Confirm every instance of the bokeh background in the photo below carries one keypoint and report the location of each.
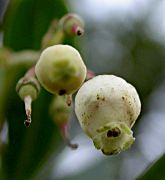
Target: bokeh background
(122, 37)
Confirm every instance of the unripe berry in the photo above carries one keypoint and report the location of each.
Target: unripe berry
(60, 69)
(60, 112)
(107, 107)
(28, 89)
(72, 24)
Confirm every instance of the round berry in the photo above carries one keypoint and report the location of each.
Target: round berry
(107, 107)
(60, 69)
(28, 87)
(72, 24)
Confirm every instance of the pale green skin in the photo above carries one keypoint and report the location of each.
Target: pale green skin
(104, 103)
(59, 110)
(28, 86)
(60, 67)
(70, 20)
(28, 90)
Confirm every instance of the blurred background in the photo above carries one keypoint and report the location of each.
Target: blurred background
(122, 37)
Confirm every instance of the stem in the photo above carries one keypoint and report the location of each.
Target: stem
(69, 100)
(30, 72)
(65, 135)
(90, 74)
(54, 35)
(9, 58)
(26, 57)
(28, 102)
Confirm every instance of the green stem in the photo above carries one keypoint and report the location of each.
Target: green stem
(55, 35)
(12, 65)
(24, 58)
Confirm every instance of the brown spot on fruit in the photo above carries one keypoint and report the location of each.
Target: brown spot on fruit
(109, 133)
(113, 132)
(62, 92)
(116, 132)
(98, 97)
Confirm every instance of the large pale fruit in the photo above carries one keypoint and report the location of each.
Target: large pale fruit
(107, 108)
(60, 69)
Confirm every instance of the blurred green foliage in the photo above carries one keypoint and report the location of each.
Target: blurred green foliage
(25, 23)
(27, 20)
(155, 171)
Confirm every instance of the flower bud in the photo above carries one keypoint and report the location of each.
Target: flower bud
(72, 24)
(107, 108)
(60, 69)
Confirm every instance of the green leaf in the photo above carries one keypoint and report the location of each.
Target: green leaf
(27, 20)
(28, 148)
(156, 171)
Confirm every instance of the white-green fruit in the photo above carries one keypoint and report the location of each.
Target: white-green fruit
(59, 110)
(60, 69)
(107, 108)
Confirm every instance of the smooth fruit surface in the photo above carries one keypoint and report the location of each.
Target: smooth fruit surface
(60, 69)
(107, 107)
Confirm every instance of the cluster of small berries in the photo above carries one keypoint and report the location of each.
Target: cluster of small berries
(106, 105)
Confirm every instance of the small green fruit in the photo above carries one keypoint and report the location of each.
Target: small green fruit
(107, 107)
(28, 87)
(60, 69)
(59, 110)
(72, 24)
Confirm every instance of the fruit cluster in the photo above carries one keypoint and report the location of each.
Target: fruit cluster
(106, 105)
